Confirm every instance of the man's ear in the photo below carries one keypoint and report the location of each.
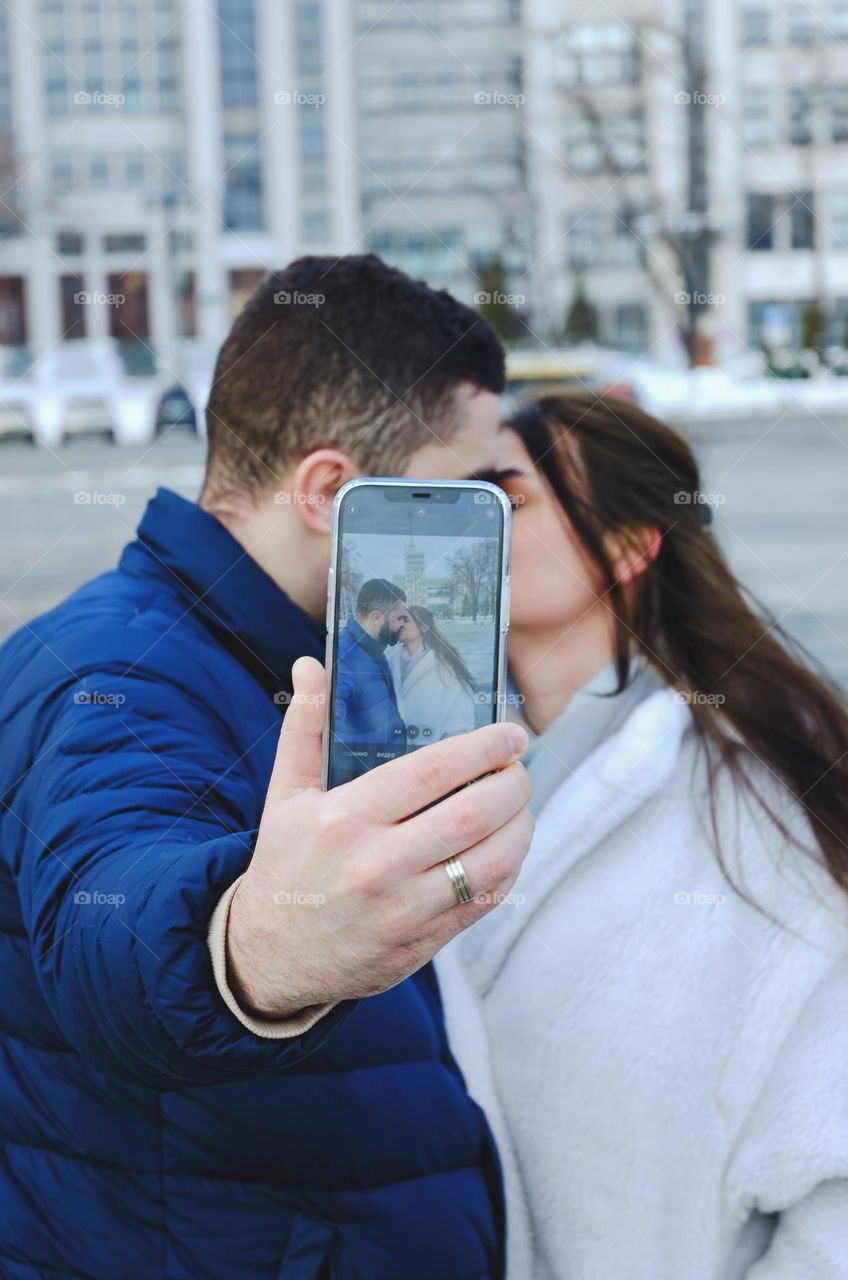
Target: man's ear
(632, 550)
(314, 483)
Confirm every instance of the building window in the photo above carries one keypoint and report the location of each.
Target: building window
(836, 19)
(441, 166)
(308, 37)
(802, 108)
(617, 144)
(135, 169)
(838, 323)
(124, 242)
(436, 255)
(802, 221)
(756, 19)
(415, 86)
(597, 53)
(243, 194)
(72, 307)
(600, 238)
(434, 13)
(801, 23)
(13, 324)
(69, 244)
(773, 323)
(238, 54)
(98, 170)
(312, 138)
(59, 97)
(628, 327)
(129, 317)
(757, 117)
(186, 296)
(61, 169)
(316, 227)
(760, 221)
(838, 217)
(838, 113)
(5, 73)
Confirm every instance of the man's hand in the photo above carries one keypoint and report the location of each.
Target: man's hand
(346, 894)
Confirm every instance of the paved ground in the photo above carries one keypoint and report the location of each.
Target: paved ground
(781, 496)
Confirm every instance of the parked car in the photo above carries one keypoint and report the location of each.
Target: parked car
(87, 415)
(16, 418)
(537, 372)
(175, 411)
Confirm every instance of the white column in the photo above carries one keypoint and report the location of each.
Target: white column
(31, 144)
(339, 53)
(202, 96)
(727, 160)
(278, 116)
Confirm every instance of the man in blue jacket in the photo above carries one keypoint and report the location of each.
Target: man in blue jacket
(366, 718)
(223, 1054)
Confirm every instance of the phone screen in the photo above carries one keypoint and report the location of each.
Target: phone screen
(417, 643)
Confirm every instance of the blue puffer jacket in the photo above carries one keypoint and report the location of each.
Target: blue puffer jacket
(145, 1133)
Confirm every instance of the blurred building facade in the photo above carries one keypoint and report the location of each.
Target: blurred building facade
(668, 167)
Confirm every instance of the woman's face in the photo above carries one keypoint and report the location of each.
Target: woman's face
(554, 583)
(409, 628)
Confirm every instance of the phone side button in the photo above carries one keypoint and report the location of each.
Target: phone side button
(506, 603)
(331, 600)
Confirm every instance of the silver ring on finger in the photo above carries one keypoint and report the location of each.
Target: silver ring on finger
(459, 880)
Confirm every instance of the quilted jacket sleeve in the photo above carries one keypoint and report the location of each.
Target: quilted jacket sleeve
(132, 825)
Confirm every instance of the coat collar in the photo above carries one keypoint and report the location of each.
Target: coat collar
(219, 581)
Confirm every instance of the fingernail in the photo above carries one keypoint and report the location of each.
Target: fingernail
(518, 739)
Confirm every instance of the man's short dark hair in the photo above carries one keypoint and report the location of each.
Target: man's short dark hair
(341, 352)
(378, 593)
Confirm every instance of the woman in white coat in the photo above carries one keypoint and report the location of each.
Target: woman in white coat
(657, 1019)
(433, 686)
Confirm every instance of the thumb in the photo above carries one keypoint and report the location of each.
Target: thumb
(298, 761)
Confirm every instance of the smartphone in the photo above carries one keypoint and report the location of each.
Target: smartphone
(417, 618)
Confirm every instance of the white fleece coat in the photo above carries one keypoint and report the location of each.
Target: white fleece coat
(432, 697)
(665, 1067)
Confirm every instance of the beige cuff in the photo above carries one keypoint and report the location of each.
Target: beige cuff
(268, 1028)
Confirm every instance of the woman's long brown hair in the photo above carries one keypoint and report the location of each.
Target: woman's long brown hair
(616, 470)
(441, 646)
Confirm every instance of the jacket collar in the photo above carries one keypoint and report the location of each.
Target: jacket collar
(219, 581)
(366, 642)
